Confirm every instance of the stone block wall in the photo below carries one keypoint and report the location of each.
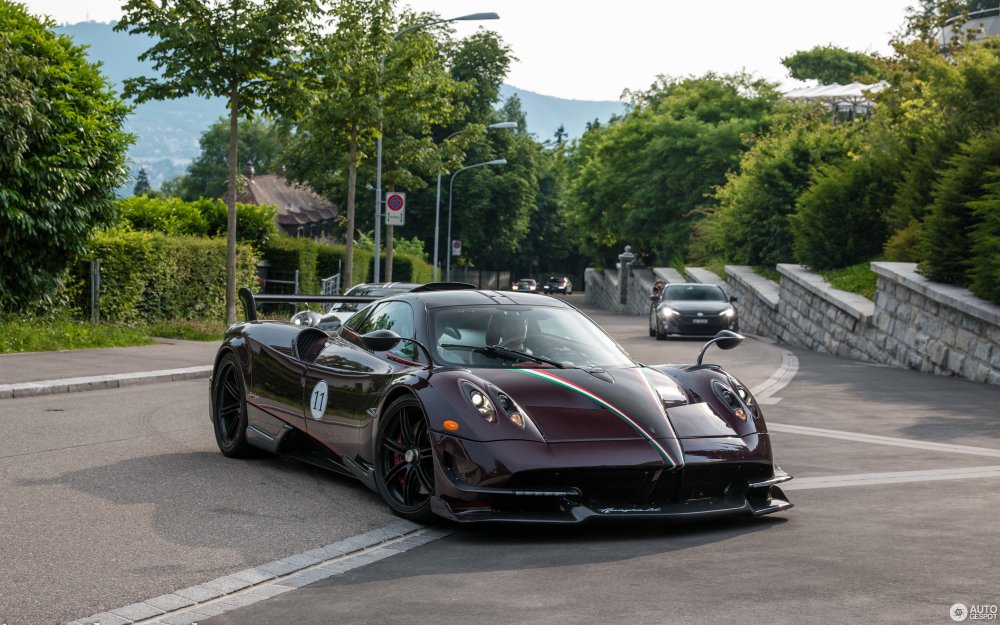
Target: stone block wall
(756, 301)
(934, 328)
(913, 323)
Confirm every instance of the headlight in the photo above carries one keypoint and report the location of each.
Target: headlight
(514, 412)
(666, 311)
(729, 313)
(480, 401)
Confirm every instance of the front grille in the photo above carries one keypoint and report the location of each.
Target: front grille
(636, 487)
(610, 486)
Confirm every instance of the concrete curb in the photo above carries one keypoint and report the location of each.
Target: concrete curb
(98, 382)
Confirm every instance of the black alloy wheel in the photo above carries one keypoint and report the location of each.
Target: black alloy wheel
(404, 460)
(229, 409)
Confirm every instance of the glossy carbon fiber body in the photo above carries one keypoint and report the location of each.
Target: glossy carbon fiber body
(566, 445)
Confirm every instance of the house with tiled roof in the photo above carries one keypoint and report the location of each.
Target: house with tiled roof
(301, 212)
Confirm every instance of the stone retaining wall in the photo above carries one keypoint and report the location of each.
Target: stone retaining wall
(913, 323)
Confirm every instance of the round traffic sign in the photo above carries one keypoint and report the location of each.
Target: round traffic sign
(394, 202)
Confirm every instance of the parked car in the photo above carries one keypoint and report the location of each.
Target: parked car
(338, 313)
(525, 285)
(558, 284)
(691, 309)
(475, 408)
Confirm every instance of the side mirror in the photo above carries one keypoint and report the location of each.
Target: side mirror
(725, 339)
(732, 300)
(329, 323)
(381, 340)
(384, 340)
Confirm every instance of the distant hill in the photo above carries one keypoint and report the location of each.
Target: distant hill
(167, 132)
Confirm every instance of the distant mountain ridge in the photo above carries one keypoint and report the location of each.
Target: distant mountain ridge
(167, 132)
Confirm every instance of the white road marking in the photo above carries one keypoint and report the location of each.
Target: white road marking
(242, 588)
(895, 477)
(884, 440)
(764, 392)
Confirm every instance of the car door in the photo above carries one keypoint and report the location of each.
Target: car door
(345, 383)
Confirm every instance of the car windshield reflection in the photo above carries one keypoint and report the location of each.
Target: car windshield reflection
(516, 336)
(693, 293)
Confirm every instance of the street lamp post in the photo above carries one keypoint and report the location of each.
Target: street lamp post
(437, 201)
(378, 148)
(451, 185)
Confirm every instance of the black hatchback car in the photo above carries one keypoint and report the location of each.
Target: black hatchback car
(691, 309)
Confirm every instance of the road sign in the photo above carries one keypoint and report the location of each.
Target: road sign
(456, 248)
(395, 209)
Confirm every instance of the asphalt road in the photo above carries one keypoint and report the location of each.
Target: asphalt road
(111, 497)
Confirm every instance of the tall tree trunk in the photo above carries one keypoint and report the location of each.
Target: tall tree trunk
(234, 103)
(352, 178)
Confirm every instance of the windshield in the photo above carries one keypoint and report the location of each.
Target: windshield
(370, 291)
(693, 293)
(521, 335)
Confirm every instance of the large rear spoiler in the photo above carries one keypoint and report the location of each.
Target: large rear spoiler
(251, 300)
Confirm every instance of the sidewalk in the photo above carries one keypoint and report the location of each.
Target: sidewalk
(43, 373)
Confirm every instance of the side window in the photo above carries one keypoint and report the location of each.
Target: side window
(359, 321)
(395, 316)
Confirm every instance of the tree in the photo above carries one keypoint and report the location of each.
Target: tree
(650, 172)
(832, 65)
(142, 183)
(61, 158)
(243, 50)
(338, 136)
(260, 146)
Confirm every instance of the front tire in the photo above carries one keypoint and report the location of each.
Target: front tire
(404, 460)
(661, 334)
(229, 409)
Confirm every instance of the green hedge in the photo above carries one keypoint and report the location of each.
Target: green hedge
(406, 268)
(314, 261)
(255, 224)
(151, 276)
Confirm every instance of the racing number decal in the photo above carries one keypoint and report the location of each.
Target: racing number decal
(317, 403)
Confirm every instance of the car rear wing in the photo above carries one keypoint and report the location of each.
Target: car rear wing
(251, 300)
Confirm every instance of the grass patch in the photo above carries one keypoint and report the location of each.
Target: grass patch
(767, 271)
(858, 279)
(46, 335)
(42, 335)
(188, 330)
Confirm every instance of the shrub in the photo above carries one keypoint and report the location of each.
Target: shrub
(963, 195)
(838, 221)
(255, 224)
(904, 245)
(984, 276)
(150, 276)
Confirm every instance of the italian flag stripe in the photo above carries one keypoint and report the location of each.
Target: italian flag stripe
(579, 389)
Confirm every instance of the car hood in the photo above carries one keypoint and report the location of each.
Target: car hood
(616, 404)
(708, 308)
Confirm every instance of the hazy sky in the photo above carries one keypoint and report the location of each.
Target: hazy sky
(593, 49)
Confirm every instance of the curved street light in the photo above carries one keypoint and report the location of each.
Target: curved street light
(437, 201)
(378, 148)
(499, 161)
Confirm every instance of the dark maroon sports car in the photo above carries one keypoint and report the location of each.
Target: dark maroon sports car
(496, 406)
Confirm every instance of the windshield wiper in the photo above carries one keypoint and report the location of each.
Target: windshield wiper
(513, 354)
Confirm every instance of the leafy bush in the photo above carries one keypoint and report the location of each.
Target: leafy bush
(149, 276)
(839, 219)
(957, 231)
(984, 276)
(62, 154)
(290, 254)
(255, 224)
(904, 245)
(751, 223)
